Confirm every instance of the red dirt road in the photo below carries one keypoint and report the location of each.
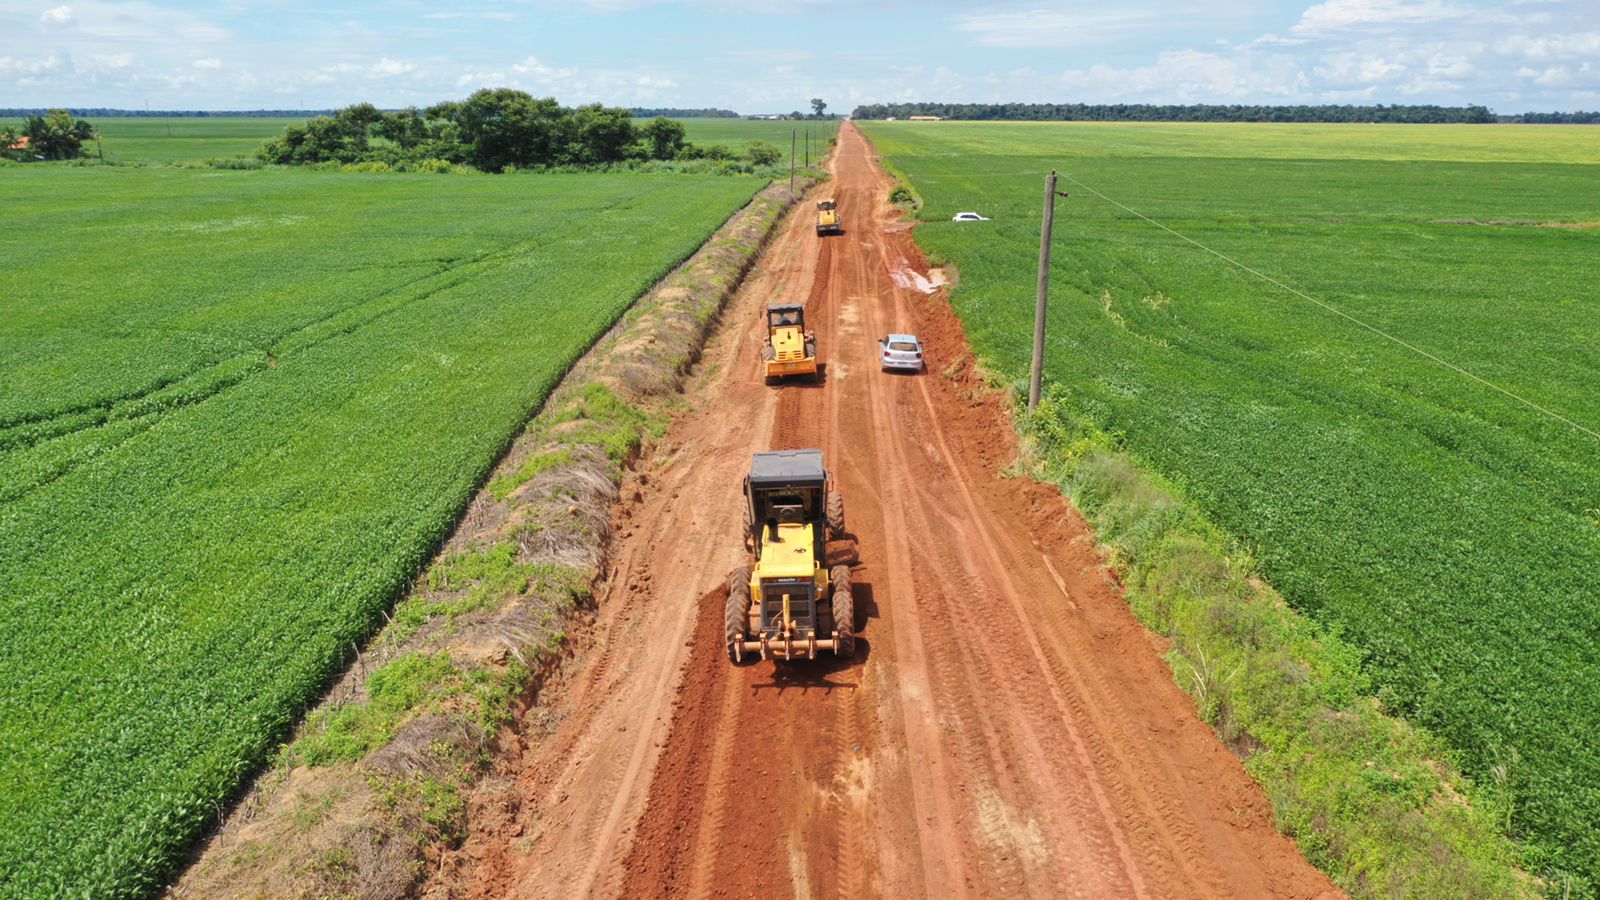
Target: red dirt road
(1006, 728)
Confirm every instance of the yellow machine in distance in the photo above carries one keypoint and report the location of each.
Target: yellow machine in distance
(789, 348)
(787, 605)
(828, 218)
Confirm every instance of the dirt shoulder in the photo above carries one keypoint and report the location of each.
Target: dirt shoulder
(369, 792)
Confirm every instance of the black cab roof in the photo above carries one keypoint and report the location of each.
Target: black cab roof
(782, 468)
(785, 307)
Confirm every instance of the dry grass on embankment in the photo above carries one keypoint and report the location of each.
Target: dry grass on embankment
(374, 778)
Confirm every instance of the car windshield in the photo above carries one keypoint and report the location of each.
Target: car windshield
(902, 345)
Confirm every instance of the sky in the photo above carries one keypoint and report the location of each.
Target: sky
(766, 56)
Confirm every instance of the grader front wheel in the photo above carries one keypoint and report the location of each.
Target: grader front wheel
(835, 515)
(844, 614)
(737, 615)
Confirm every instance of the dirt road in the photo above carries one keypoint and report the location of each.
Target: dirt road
(1006, 728)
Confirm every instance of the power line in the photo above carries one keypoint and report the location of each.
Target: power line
(1339, 312)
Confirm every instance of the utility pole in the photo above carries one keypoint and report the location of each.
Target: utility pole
(808, 146)
(1044, 289)
(794, 133)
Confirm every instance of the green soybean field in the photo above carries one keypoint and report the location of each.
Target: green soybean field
(172, 140)
(238, 410)
(1404, 430)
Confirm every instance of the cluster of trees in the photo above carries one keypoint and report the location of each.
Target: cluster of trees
(54, 135)
(1144, 112)
(492, 130)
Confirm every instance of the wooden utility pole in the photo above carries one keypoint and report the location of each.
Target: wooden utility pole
(794, 133)
(1042, 302)
(808, 146)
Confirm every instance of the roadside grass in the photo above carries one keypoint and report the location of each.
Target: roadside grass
(1441, 529)
(241, 410)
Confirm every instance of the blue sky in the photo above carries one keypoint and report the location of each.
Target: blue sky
(769, 56)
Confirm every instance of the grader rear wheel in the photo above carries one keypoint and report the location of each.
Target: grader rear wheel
(737, 614)
(844, 614)
(835, 515)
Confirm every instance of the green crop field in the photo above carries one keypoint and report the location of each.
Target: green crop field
(737, 133)
(1450, 531)
(239, 409)
(182, 140)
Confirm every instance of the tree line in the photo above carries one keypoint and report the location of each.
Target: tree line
(493, 130)
(1554, 118)
(673, 112)
(1201, 112)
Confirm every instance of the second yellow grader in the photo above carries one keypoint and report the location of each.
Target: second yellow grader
(789, 348)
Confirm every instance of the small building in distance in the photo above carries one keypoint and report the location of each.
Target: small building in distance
(925, 118)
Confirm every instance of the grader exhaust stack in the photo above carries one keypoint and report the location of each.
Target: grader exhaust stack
(787, 605)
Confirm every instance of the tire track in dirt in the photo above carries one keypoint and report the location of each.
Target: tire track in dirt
(1006, 727)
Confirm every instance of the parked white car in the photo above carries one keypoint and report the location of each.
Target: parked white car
(900, 351)
(968, 217)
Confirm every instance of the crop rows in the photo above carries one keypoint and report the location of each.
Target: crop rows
(239, 410)
(1448, 530)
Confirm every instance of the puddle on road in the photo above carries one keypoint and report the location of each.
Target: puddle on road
(907, 278)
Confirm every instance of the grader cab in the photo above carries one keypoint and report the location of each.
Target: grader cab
(787, 604)
(789, 348)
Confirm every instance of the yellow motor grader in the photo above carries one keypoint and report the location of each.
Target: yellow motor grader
(789, 348)
(787, 605)
(828, 218)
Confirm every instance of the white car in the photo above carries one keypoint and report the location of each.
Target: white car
(900, 351)
(968, 217)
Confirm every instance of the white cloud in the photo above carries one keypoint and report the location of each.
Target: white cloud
(208, 63)
(481, 79)
(491, 15)
(1550, 46)
(1335, 15)
(60, 15)
(11, 67)
(110, 60)
(1454, 68)
(540, 72)
(1044, 28)
(1191, 76)
(389, 68)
